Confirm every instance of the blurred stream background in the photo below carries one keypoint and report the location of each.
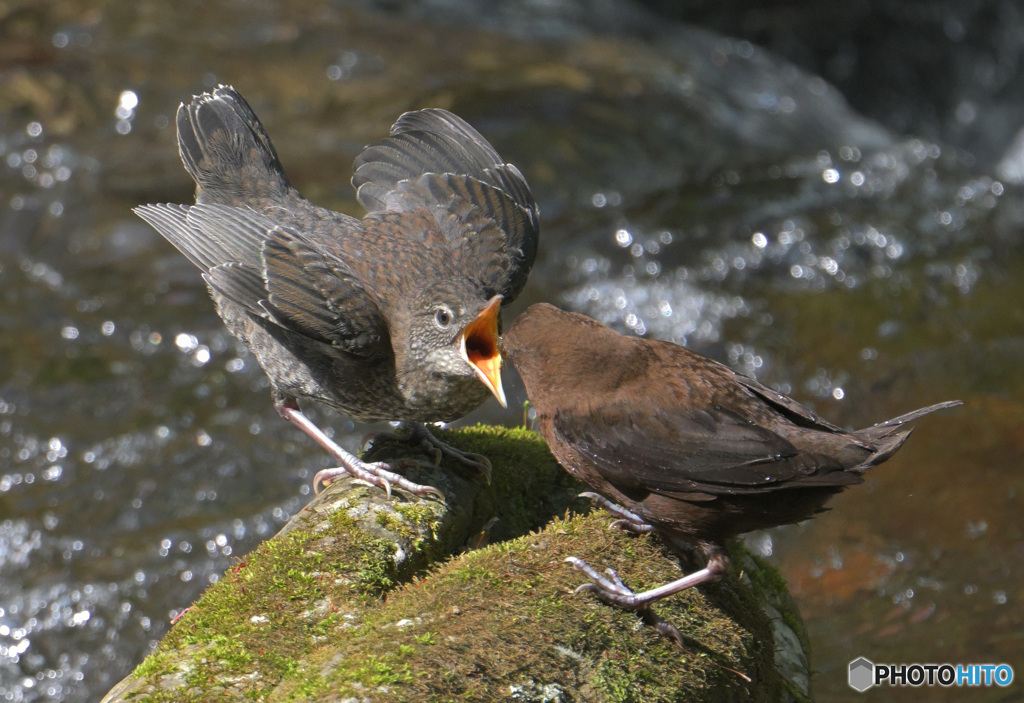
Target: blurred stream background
(826, 196)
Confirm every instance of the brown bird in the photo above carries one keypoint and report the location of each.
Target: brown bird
(688, 447)
(392, 317)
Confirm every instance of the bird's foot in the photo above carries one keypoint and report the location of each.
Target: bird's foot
(612, 590)
(420, 437)
(629, 521)
(609, 587)
(379, 473)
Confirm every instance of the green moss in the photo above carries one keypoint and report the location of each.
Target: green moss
(389, 521)
(156, 664)
(384, 671)
(169, 697)
(227, 651)
(466, 630)
(309, 688)
(378, 575)
(418, 514)
(272, 608)
(427, 638)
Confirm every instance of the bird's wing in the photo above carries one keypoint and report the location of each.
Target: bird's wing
(676, 451)
(435, 160)
(434, 141)
(274, 273)
(321, 298)
(208, 235)
(786, 406)
(476, 221)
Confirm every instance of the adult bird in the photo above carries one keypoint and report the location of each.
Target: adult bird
(391, 317)
(675, 442)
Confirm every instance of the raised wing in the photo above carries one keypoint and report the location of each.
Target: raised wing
(435, 160)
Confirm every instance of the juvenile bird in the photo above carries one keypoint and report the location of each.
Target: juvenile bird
(392, 317)
(678, 443)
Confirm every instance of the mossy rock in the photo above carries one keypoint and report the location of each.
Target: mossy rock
(359, 599)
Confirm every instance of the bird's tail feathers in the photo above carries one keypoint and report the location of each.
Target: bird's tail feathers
(226, 150)
(908, 417)
(887, 437)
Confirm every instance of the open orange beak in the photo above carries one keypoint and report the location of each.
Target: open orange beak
(479, 346)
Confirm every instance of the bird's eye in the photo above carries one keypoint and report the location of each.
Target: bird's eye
(443, 317)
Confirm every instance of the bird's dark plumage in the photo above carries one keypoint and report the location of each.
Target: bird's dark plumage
(392, 317)
(684, 443)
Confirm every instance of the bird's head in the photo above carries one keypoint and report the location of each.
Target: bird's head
(452, 337)
(544, 344)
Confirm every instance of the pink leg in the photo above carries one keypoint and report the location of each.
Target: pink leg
(377, 473)
(611, 589)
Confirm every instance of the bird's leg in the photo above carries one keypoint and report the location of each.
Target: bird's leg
(612, 590)
(627, 520)
(419, 436)
(376, 473)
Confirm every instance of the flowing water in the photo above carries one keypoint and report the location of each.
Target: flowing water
(692, 188)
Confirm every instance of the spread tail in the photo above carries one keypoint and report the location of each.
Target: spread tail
(227, 152)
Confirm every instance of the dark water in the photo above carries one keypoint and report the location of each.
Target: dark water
(692, 188)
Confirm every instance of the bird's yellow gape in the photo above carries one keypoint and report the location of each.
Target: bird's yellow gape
(480, 348)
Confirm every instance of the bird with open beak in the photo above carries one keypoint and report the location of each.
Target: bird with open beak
(676, 443)
(392, 317)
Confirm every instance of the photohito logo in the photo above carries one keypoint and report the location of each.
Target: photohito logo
(864, 674)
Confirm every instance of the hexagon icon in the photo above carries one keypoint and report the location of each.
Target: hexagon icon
(862, 674)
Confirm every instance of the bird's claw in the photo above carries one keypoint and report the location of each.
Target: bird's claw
(474, 461)
(426, 447)
(639, 527)
(608, 588)
(627, 520)
(613, 591)
(438, 449)
(422, 438)
(377, 474)
(663, 627)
